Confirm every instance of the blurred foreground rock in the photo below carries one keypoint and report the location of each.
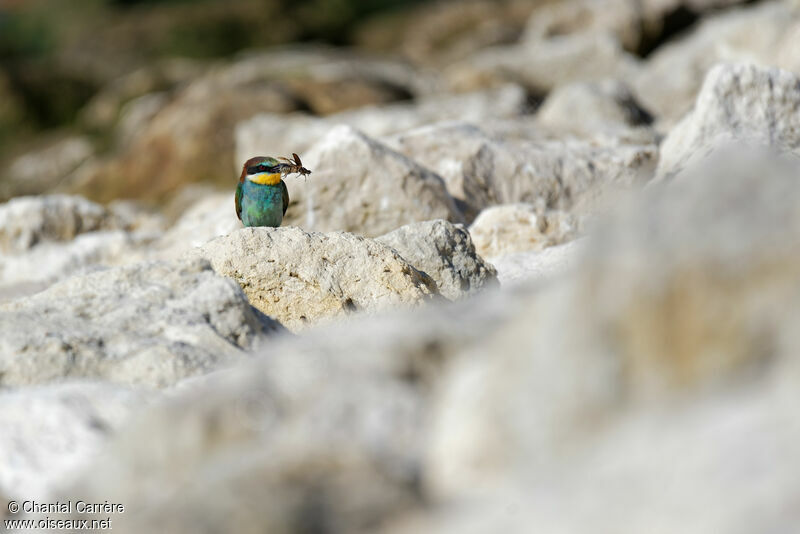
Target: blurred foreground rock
(150, 323)
(326, 433)
(48, 433)
(660, 313)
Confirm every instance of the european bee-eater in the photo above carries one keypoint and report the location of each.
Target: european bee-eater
(261, 195)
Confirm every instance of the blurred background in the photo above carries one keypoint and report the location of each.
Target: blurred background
(80, 80)
(134, 99)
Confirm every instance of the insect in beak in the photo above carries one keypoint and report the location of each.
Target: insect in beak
(295, 166)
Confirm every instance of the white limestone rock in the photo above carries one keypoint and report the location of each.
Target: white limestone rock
(482, 169)
(28, 221)
(47, 238)
(148, 323)
(301, 278)
(587, 108)
(738, 104)
(764, 34)
(510, 228)
(444, 252)
(361, 185)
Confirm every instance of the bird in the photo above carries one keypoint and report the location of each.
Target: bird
(261, 195)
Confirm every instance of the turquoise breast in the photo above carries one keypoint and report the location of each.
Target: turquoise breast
(262, 205)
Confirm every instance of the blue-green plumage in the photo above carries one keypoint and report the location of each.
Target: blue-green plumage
(261, 204)
(261, 196)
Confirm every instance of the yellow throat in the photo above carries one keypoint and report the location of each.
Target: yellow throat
(265, 178)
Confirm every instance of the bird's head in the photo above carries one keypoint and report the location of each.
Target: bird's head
(262, 170)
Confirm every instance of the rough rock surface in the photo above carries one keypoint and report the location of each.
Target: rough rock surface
(738, 103)
(468, 159)
(48, 433)
(361, 185)
(444, 252)
(149, 323)
(509, 228)
(300, 278)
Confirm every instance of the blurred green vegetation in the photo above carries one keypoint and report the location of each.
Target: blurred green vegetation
(24, 34)
(56, 54)
(195, 28)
